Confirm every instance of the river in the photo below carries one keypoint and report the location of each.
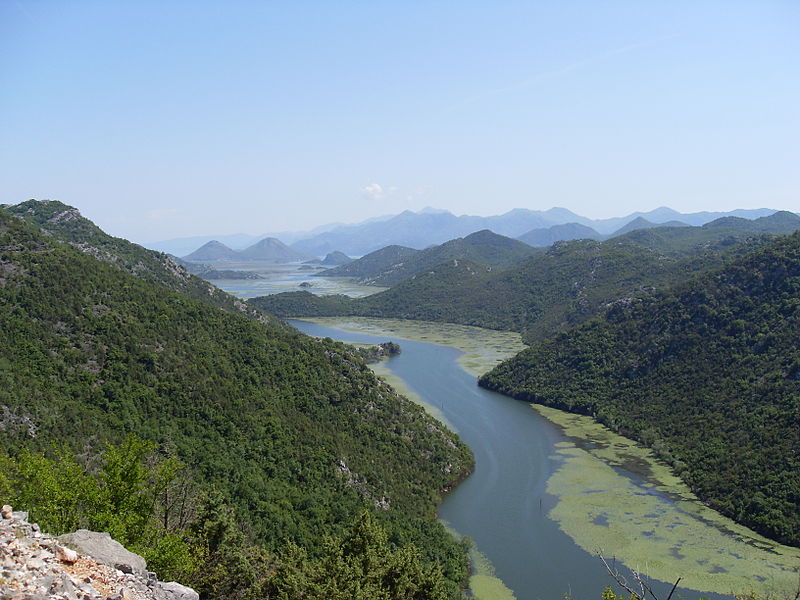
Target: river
(504, 505)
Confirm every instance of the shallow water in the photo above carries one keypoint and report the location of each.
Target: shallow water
(289, 278)
(505, 506)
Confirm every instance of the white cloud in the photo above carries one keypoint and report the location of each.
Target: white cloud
(374, 191)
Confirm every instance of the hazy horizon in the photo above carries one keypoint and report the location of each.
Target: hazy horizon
(168, 120)
(331, 225)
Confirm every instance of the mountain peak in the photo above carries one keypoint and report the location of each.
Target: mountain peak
(210, 252)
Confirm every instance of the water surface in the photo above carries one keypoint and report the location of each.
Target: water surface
(504, 505)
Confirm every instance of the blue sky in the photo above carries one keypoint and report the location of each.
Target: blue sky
(164, 119)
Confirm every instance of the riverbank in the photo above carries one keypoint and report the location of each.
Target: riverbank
(482, 348)
(604, 511)
(612, 495)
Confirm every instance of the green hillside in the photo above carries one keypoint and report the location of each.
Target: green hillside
(372, 263)
(483, 247)
(65, 223)
(707, 374)
(560, 287)
(297, 433)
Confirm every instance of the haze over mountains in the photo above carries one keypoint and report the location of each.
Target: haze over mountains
(394, 264)
(266, 250)
(681, 337)
(429, 227)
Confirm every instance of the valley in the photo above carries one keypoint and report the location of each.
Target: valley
(400, 300)
(551, 489)
(582, 325)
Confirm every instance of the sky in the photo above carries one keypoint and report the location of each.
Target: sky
(168, 118)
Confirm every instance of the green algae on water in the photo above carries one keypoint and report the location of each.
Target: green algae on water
(604, 511)
(483, 582)
(483, 348)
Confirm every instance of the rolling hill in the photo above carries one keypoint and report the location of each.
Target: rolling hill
(373, 263)
(91, 352)
(707, 373)
(541, 238)
(212, 251)
(484, 247)
(65, 223)
(560, 287)
(272, 250)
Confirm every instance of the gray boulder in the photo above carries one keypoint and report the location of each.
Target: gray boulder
(103, 549)
(180, 592)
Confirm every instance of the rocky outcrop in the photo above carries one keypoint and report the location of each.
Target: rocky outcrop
(81, 566)
(104, 550)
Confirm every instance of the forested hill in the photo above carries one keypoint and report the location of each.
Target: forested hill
(561, 287)
(707, 374)
(372, 263)
(65, 223)
(297, 433)
(484, 247)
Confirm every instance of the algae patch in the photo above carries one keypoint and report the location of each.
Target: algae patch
(658, 527)
(483, 582)
(483, 348)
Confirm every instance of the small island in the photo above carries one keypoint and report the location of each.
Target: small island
(377, 352)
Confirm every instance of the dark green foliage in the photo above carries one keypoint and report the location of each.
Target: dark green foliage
(561, 287)
(359, 565)
(372, 354)
(483, 247)
(121, 491)
(306, 304)
(297, 433)
(707, 374)
(65, 223)
(372, 263)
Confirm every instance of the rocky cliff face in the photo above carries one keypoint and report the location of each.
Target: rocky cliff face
(80, 566)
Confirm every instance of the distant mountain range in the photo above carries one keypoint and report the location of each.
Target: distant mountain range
(267, 250)
(391, 265)
(538, 296)
(430, 227)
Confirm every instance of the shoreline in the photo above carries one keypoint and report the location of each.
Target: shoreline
(603, 507)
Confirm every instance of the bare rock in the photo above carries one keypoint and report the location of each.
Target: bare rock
(65, 555)
(180, 592)
(105, 550)
(6, 511)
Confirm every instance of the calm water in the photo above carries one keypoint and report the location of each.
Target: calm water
(503, 506)
(279, 278)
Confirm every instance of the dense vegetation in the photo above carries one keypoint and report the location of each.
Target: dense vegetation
(707, 374)
(563, 286)
(483, 247)
(296, 433)
(149, 503)
(374, 262)
(65, 223)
